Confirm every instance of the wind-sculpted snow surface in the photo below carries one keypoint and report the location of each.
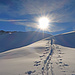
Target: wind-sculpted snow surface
(27, 60)
(40, 58)
(19, 39)
(67, 39)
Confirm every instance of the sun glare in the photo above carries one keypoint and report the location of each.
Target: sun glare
(43, 23)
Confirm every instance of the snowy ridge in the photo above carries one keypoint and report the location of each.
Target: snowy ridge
(67, 32)
(19, 39)
(67, 39)
(40, 58)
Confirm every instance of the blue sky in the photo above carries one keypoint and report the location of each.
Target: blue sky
(22, 15)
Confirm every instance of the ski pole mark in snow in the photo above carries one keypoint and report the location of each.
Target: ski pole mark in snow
(37, 63)
(30, 72)
(52, 70)
(65, 64)
(60, 63)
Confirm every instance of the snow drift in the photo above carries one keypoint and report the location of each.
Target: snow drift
(39, 58)
(67, 39)
(19, 39)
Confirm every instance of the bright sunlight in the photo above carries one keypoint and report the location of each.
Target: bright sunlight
(43, 23)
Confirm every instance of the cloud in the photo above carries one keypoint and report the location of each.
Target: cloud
(40, 7)
(51, 28)
(56, 29)
(13, 20)
(22, 7)
(59, 11)
(28, 24)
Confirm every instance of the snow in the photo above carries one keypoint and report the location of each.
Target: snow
(19, 39)
(39, 58)
(67, 40)
(20, 60)
(63, 61)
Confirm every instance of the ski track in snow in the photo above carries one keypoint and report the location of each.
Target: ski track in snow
(48, 68)
(46, 62)
(47, 65)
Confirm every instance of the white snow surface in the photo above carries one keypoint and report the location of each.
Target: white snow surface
(39, 58)
(19, 39)
(21, 60)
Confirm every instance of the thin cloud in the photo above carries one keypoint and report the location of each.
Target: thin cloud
(59, 11)
(40, 7)
(12, 20)
(35, 25)
(56, 29)
(28, 24)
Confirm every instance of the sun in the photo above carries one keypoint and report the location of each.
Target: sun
(43, 23)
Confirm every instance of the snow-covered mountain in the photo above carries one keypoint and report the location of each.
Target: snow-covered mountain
(66, 39)
(19, 39)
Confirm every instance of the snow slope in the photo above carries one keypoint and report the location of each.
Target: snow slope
(20, 60)
(39, 58)
(63, 61)
(19, 39)
(66, 39)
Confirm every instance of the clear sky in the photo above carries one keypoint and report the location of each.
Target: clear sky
(23, 15)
